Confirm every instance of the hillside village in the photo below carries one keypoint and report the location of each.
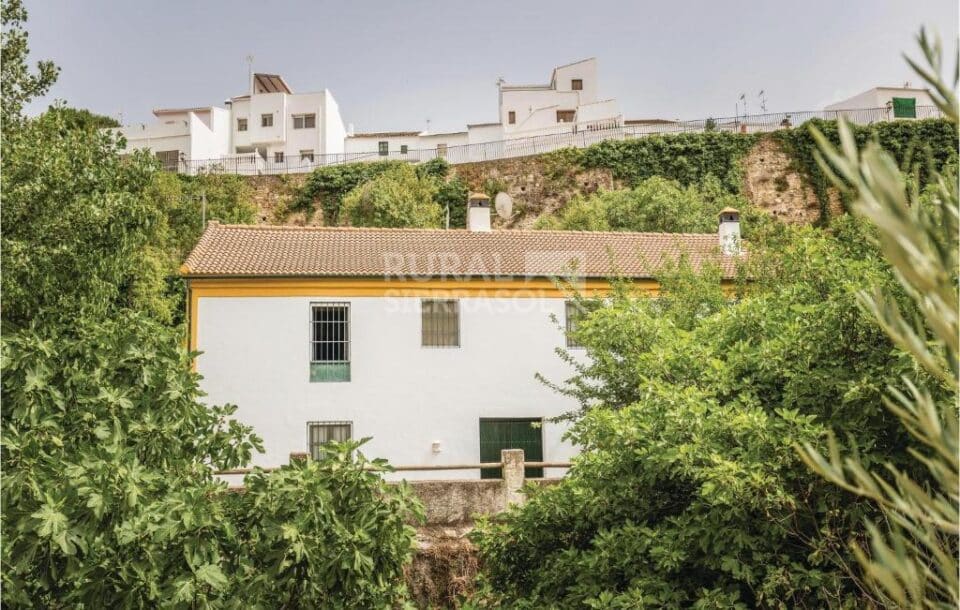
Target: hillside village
(254, 357)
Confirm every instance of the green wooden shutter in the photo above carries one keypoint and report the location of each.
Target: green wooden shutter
(904, 107)
(499, 434)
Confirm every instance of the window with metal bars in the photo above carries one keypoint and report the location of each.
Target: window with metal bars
(574, 313)
(440, 323)
(331, 332)
(320, 433)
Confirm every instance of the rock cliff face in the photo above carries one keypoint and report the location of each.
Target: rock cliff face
(542, 185)
(772, 183)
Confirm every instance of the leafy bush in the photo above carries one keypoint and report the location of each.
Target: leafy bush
(76, 222)
(687, 158)
(689, 491)
(655, 204)
(919, 148)
(324, 534)
(329, 185)
(109, 498)
(398, 197)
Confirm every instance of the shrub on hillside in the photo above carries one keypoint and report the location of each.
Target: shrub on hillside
(655, 204)
(399, 197)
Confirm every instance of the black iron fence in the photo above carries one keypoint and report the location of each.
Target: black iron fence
(564, 136)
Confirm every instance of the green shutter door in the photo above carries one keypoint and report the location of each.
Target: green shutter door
(499, 434)
(904, 108)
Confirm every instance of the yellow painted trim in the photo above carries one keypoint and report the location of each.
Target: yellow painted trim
(398, 287)
(198, 288)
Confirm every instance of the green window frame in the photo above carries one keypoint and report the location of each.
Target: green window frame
(403, 149)
(329, 341)
(383, 148)
(904, 107)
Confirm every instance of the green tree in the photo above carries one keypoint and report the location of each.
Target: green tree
(914, 563)
(656, 204)
(17, 83)
(398, 197)
(689, 492)
(76, 223)
(81, 118)
(109, 498)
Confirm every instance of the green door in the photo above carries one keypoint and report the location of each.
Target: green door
(511, 433)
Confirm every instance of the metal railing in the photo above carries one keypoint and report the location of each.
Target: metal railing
(565, 136)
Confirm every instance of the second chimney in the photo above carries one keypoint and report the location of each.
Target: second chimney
(729, 231)
(478, 212)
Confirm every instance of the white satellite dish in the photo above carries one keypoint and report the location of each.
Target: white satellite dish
(504, 205)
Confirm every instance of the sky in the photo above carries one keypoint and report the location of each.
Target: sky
(394, 65)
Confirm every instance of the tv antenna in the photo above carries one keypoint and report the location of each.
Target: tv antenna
(249, 60)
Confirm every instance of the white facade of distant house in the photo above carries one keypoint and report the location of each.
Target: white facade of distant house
(271, 126)
(571, 96)
(274, 129)
(885, 97)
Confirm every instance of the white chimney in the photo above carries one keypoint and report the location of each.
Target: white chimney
(729, 231)
(478, 212)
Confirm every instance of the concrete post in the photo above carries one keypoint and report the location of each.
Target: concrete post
(513, 478)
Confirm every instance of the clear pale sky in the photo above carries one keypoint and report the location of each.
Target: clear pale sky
(392, 65)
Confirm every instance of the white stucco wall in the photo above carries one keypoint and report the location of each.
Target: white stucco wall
(334, 132)
(880, 97)
(256, 355)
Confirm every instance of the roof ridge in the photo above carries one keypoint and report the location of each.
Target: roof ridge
(259, 227)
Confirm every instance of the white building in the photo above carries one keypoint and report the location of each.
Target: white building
(426, 340)
(571, 97)
(567, 103)
(271, 126)
(884, 103)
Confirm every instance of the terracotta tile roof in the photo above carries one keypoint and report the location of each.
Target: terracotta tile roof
(272, 251)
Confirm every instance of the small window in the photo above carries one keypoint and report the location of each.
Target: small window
(169, 159)
(565, 116)
(266, 120)
(304, 121)
(512, 117)
(383, 148)
(319, 433)
(278, 157)
(576, 84)
(575, 311)
(241, 124)
(403, 149)
(441, 150)
(439, 323)
(330, 342)
(306, 155)
(904, 107)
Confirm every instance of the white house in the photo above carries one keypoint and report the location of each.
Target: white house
(274, 127)
(892, 103)
(425, 340)
(571, 97)
(567, 103)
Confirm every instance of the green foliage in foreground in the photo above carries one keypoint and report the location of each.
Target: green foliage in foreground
(109, 499)
(399, 197)
(914, 564)
(689, 492)
(654, 204)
